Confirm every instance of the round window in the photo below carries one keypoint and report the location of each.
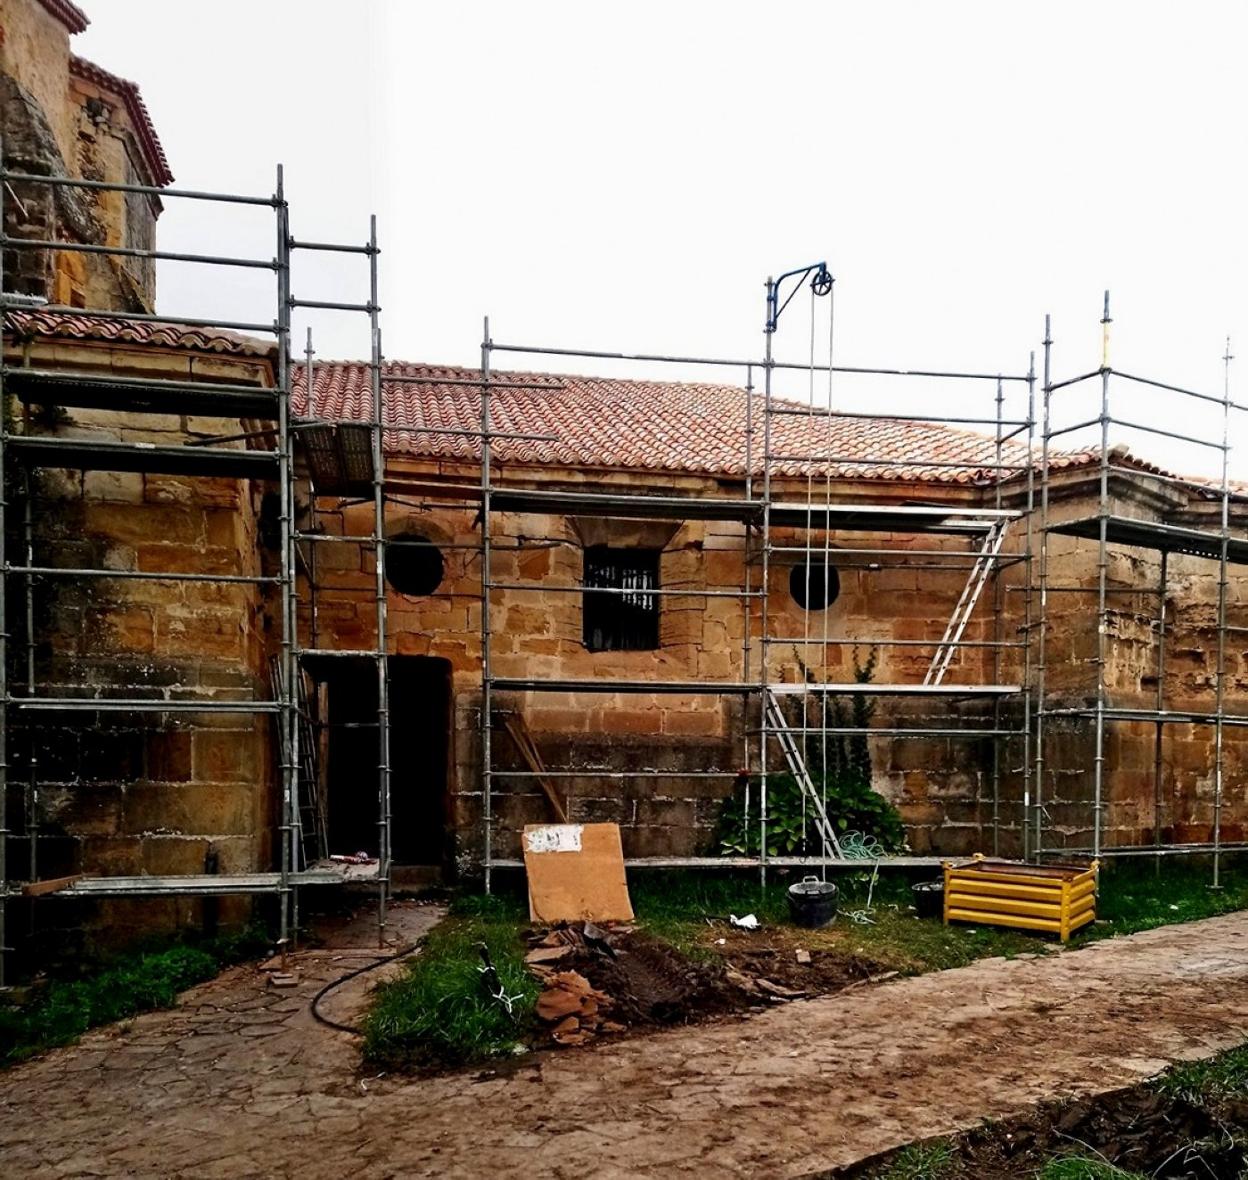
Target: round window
(814, 586)
(414, 564)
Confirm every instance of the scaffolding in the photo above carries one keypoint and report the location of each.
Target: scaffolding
(267, 457)
(976, 532)
(1114, 529)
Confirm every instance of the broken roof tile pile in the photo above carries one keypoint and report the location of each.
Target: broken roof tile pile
(650, 425)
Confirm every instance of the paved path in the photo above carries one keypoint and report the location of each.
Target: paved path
(240, 1082)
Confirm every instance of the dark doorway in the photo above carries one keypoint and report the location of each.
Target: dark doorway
(420, 736)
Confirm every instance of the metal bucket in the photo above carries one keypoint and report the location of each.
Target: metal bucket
(929, 898)
(812, 903)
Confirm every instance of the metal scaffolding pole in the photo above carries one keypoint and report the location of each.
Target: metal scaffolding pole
(377, 439)
(287, 722)
(1043, 580)
(486, 719)
(1102, 603)
(1219, 749)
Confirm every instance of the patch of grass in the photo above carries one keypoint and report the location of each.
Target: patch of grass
(65, 1009)
(921, 1161)
(1079, 1167)
(1136, 896)
(675, 907)
(1204, 1083)
(439, 1012)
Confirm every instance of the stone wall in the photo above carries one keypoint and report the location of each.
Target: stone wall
(57, 123)
(124, 793)
(942, 788)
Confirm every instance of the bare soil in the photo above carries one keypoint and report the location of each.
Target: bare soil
(651, 983)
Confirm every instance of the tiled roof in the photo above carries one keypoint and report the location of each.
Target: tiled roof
(70, 15)
(650, 425)
(158, 334)
(136, 108)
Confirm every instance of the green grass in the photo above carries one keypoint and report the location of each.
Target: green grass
(1207, 1082)
(676, 907)
(438, 1012)
(60, 1012)
(1134, 896)
(921, 1161)
(1079, 1167)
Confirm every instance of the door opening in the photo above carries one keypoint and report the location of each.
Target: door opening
(420, 750)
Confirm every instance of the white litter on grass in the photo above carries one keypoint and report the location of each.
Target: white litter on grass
(749, 922)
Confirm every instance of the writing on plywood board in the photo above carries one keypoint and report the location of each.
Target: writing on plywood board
(553, 838)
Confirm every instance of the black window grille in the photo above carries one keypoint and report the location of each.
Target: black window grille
(627, 621)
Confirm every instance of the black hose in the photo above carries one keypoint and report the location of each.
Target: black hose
(335, 983)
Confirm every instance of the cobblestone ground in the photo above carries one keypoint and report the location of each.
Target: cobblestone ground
(241, 1082)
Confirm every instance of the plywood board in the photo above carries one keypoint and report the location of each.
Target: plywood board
(576, 873)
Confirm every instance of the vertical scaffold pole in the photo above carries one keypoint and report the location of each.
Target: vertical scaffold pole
(747, 607)
(487, 783)
(381, 621)
(1219, 749)
(286, 718)
(1159, 726)
(4, 629)
(32, 754)
(768, 367)
(1102, 596)
(998, 631)
(1043, 582)
(1028, 616)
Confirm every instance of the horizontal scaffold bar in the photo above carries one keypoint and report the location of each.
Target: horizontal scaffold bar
(753, 862)
(152, 190)
(143, 705)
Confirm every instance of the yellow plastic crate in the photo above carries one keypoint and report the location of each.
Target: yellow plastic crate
(1050, 899)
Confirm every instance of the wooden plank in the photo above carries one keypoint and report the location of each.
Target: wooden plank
(52, 885)
(523, 739)
(576, 873)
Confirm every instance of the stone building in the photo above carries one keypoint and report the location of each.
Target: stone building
(102, 476)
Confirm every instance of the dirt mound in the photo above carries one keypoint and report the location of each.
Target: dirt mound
(638, 980)
(1138, 1130)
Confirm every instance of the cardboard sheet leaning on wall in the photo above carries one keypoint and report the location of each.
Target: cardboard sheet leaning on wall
(576, 873)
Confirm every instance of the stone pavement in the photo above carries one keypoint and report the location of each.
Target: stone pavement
(241, 1082)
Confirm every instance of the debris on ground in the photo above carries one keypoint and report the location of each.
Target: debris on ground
(749, 922)
(606, 978)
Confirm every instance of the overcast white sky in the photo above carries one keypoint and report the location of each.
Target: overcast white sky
(626, 176)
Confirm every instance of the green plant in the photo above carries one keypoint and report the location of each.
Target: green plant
(438, 1012)
(839, 768)
(1079, 1167)
(920, 1161)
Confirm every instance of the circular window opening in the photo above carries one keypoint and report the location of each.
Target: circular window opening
(414, 564)
(814, 587)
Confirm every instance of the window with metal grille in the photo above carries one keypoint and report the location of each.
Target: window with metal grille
(627, 620)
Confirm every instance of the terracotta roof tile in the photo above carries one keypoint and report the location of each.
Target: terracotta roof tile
(659, 426)
(136, 108)
(70, 15)
(159, 334)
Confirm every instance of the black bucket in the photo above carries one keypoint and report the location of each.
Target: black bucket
(812, 903)
(929, 898)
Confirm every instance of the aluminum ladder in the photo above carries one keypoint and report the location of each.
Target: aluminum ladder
(975, 581)
(797, 768)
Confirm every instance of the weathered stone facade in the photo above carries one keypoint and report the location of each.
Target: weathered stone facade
(116, 792)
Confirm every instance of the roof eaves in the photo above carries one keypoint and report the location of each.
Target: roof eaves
(136, 108)
(70, 15)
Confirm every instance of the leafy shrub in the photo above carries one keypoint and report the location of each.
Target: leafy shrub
(839, 766)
